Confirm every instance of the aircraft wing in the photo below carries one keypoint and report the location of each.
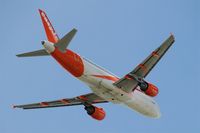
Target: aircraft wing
(129, 82)
(90, 98)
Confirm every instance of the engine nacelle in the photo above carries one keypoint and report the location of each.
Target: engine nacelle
(95, 112)
(149, 89)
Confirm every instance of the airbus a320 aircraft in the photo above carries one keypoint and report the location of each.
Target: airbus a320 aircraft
(131, 90)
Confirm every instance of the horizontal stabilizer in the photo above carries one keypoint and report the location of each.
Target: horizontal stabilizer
(64, 42)
(41, 52)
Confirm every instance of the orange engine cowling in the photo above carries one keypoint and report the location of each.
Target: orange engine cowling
(95, 112)
(151, 90)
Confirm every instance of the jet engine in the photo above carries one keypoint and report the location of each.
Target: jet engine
(95, 112)
(149, 89)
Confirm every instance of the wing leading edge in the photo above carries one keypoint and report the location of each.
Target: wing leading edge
(129, 82)
(90, 98)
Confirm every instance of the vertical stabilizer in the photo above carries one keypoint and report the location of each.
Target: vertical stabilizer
(50, 32)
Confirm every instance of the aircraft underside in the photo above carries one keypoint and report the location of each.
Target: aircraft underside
(131, 90)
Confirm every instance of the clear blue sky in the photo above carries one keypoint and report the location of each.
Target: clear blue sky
(117, 35)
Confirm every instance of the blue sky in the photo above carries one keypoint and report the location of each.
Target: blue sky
(117, 35)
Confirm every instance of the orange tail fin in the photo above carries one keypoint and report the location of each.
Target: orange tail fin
(50, 32)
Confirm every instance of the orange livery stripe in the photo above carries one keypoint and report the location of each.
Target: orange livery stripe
(107, 77)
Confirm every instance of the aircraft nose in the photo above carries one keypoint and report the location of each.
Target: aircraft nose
(156, 113)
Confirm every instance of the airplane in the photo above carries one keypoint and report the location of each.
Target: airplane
(132, 90)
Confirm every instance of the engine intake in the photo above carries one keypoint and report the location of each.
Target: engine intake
(149, 89)
(95, 112)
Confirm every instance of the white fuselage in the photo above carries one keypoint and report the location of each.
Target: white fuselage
(105, 89)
